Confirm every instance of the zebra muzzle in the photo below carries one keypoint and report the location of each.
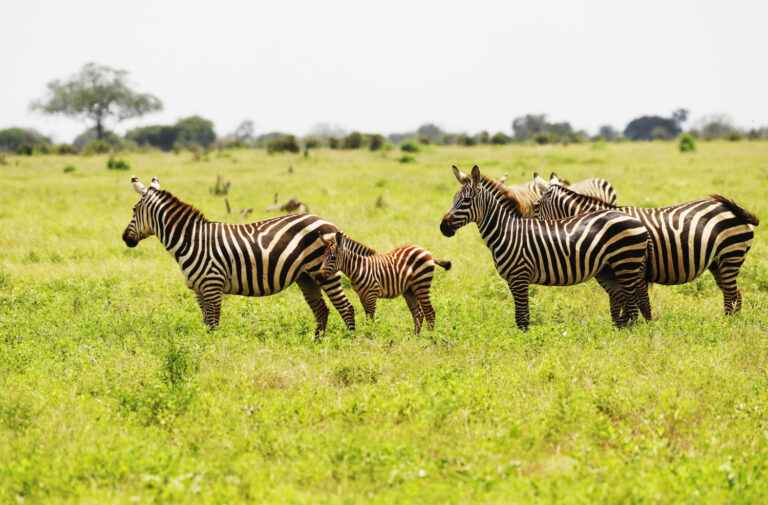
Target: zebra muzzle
(130, 240)
(447, 228)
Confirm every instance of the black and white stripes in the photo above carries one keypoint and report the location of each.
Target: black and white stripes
(714, 233)
(608, 245)
(256, 259)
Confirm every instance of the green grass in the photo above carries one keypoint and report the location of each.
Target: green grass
(113, 392)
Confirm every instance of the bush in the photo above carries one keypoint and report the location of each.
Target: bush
(687, 143)
(409, 147)
(312, 143)
(353, 141)
(284, 143)
(333, 143)
(376, 142)
(117, 164)
(500, 139)
(69, 169)
(22, 140)
(110, 138)
(64, 149)
(97, 147)
(163, 137)
(466, 140)
(194, 130)
(407, 158)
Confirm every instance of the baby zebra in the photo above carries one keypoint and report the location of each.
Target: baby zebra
(403, 271)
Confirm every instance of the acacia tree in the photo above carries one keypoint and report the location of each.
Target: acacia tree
(96, 93)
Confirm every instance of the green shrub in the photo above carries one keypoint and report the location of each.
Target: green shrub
(353, 141)
(466, 140)
(21, 140)
(97, 147)
(500, 139)
(69, 169)
(117, 164)
(376, 142)
(407, 158)
(409, 147)
(64, 149)
(687, 143)
(283, 143)
(333, 143)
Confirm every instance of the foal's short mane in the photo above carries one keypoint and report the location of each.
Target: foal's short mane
(359, 248)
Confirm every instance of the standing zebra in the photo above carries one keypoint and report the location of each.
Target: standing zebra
(403, 271)
(688, 238)
(256, 259)
(608, 245)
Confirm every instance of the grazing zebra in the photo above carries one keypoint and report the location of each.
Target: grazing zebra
(714, 233)
(256, 259)
(528, 193)
(608, 245)
(403, 271)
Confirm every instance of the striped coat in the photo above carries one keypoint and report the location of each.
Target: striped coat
(712, 234)
(608, 245)
(405, 271)
(257, 259)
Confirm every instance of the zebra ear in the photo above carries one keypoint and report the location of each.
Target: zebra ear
(155, 184)
(475, 175)
(460, 176)
(138, 186)
(538, 182)
(339, 240)
(503, 179)
(554, 179)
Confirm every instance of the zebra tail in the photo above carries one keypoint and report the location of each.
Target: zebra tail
(740, 212)
(445, 264)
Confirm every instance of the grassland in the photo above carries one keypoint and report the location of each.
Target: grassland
(113, 392)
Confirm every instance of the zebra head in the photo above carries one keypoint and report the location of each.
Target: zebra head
(466, 204)
(334, 246)
(140, 226)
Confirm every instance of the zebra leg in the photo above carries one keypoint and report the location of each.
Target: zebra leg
(643, 301)
(725, 271)
(314, 297)
(422, 295)
(368, 299)
(413, 305)
(332, 288)
(607, 281)
(210, 305)
(520, 294)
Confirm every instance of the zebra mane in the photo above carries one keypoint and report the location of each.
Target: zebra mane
(589, 198)
(357, 247)
(167, 196)
(512, 199)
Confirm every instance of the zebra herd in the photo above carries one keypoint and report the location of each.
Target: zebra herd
(549, 233)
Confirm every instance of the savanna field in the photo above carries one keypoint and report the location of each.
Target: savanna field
(113, 391)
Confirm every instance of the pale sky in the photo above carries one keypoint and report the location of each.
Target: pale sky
(391, 66)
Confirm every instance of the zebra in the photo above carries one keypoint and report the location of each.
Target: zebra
(405, 271)
(256, 259)
(608, 245)
(529, 192)
(713, 233)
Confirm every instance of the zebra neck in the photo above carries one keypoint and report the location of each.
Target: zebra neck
(494, 220)
(177, 228)
(355, 266)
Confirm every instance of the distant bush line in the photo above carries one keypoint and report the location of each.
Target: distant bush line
(197, 134)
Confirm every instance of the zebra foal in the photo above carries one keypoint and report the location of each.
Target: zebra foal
(608, 245)
(712, 234)
(256, 259)
(405, 271)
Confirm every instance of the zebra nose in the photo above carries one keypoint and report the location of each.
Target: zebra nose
(446, 227)
(129, 240)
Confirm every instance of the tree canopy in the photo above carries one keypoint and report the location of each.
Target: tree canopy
(96, 93)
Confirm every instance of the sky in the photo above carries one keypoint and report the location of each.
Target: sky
(392, 66)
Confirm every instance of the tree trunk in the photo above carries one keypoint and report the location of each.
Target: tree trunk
(99, 129)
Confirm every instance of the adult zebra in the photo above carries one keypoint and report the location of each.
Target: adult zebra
(714, 233)
(608, 245)
(256, 259)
